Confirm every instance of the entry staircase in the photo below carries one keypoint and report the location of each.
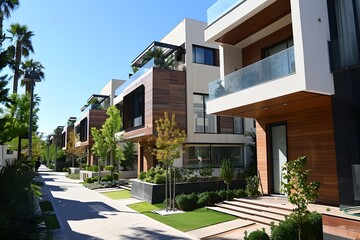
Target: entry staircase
(252, 214)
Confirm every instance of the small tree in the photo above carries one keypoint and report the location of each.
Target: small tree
(99, 147)
(168, 141)
(105, 141)
(71, 150)
(299, 190)
(111, 126)
(227, 174)
(129, 155)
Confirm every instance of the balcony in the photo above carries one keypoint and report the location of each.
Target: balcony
(220, 8)
(154, 62)
(271, 68)
(156, 55)
(344, 52)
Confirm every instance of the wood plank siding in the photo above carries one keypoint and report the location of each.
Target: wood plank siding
(254, 52)
(264, 18)
(164, 91)
(309, 133)
(341, 227)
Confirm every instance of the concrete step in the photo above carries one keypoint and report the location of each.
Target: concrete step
(221, 228)
(282, 205)
(239, 233)
(245, 216)
(270, 215)
(268, 209)
(126, 187)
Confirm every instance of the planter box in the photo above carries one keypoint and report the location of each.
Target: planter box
(155, 193)
(128, 174)
(89, 174)
(74, 170)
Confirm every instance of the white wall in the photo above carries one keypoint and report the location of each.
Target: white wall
(311, 35)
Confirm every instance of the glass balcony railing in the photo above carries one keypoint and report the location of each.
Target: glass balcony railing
(154, 62)
(220, 8)
(276, 66)
(345, 51)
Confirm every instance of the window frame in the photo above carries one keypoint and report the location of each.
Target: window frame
(214, 51)
(205, 116)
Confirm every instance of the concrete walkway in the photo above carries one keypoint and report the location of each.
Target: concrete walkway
(86, 214)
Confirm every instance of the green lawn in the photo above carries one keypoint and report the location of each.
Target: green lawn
(46, 206)
(118, 194)
(50, 219)
(187, 221)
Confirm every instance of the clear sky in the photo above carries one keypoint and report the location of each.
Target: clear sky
(83, 44)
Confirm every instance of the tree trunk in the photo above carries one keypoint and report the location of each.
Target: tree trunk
(166, 187)
(19, 148)
(17, 66)
(227, 191)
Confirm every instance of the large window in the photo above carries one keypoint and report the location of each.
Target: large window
(134, 108)
(204, 55)
(205, 155)
(238, 125)
(204, 123)
(344, 16)
(84, 130)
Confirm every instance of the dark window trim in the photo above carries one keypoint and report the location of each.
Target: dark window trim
(205, 114)
(215, 55)
(266, 50)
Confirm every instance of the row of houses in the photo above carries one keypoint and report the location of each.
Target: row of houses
(171, 75)
(287, 68)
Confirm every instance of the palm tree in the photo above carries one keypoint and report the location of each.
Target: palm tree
(6, 7)
(29, 66)
(22, 46)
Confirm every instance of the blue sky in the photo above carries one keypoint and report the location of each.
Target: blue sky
(83, 44)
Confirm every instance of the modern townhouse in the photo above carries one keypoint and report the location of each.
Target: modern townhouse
(293, 65)
(65, 135)
(93, 114)
(171, 75)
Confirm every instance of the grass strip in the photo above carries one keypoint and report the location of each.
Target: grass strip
(51, 221)
(116, 195)
(46, 206)
(186, 221)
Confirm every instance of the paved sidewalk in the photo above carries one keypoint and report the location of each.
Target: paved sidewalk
(86, 214)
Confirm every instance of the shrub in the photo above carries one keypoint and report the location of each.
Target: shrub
(88, 180)
(240, 193)
(109, 168)
(83, 166)
(65, 169)
(116, 176)
(257, 235)
(288, 229)
(252, 186)
(222, 194)
(106, 178)
(232, 194)
(142, 175)
(95, 168)
(95, 178)
(214, 198)
(187, 202)
(159, 179)
(206, 172)
(51, 166)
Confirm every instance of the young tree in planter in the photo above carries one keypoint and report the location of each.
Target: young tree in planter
(105, 137)
(299, 190)
(168, 141)
(99, 147)
(227, 174)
